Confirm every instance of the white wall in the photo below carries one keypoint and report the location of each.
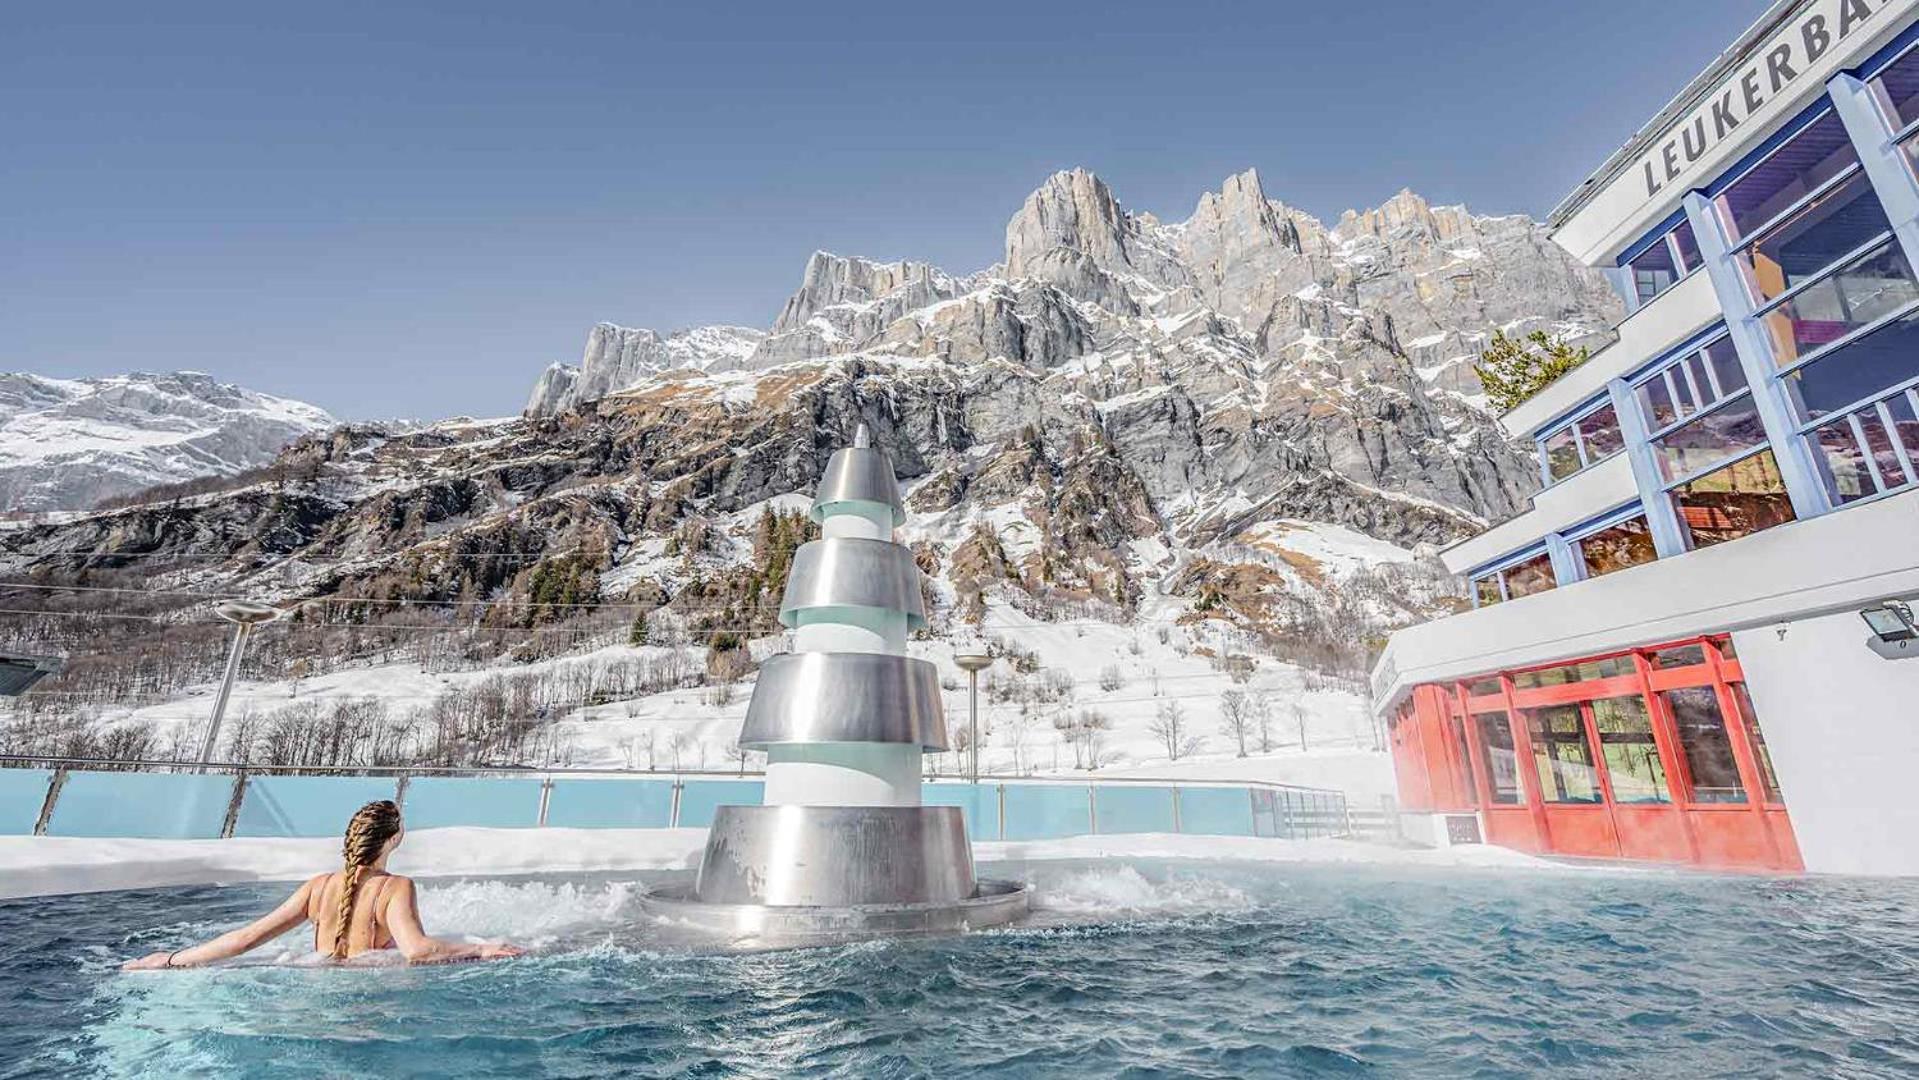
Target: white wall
(1843, 728)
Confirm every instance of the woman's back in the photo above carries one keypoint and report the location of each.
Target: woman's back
(367, 927)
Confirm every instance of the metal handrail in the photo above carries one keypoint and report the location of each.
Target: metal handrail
(16, 761)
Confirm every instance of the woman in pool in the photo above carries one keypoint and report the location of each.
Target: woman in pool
(357, 909)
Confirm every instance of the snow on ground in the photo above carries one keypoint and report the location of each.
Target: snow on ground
(45, 865)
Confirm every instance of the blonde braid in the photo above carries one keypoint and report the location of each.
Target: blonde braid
(366, 835)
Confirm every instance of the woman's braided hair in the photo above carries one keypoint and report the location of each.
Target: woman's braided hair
(367, 832)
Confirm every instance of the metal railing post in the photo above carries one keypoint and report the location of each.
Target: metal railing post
(46, 806)
(232, 819)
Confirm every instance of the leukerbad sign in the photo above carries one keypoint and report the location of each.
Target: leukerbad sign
(1784, 70)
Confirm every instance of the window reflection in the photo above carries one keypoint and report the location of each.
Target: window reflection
(1562, 755)
(1496, 747)
(1854, 297)
(1814, 156)
(1731, 430)
(1705, 746)
(1814, 237)
(1856, 371)
(1738, 500)
(1632, 757)
(1617, 547)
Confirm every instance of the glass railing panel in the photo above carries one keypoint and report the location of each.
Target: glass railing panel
(145, 806)
(434, 802)
(610, 804)
(1045, 811)
(22, 793)
(1124, 808)
(1216, 811)
(699, 798)
(978, 803)
(306, 805)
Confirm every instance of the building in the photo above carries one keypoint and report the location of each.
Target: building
(1666, 659)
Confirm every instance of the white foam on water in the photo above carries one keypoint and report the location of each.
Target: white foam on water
(529, 913)
(1123, 890)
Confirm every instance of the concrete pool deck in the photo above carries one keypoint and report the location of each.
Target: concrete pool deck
(48, 865)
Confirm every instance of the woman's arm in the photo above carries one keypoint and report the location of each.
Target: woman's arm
(403, 920)
(288, 915)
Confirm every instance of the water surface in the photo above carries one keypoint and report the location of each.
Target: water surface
(1148, 969)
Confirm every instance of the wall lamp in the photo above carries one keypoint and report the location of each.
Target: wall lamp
(1891, 620)
(1893, 629)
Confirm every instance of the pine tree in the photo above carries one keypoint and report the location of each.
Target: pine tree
(1513, 370)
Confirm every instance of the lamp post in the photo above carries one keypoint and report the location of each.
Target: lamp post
(972, 664)
(244, 615)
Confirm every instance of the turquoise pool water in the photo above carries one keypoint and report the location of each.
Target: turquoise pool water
(1149, 969)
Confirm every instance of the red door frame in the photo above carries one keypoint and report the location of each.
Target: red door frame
(1433, 705)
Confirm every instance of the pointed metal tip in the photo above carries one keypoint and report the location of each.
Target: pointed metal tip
(862, 438)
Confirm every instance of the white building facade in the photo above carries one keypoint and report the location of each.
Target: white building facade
(1666, 660)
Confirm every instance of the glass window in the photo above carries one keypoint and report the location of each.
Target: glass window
(1856, 371)
(1679, 656)
(1496, 747)
(1686, 248)
(1812, 238)
(1856, 296)
(1761, 756)
(1721, 363)
(1562, 454)
(1482, 687)
(1535, 575)
(1856, 451)
(1818, 153)
(1632, 757)
(1897, 88)
(1584, 671)
(1691, 383)
(1598, 438)
(1737, 500)
(1730, 430)
(1599, 431)
(1704, 744)
(1562, 755)
(1616, 547)
(1653, 272)
(1486, 590)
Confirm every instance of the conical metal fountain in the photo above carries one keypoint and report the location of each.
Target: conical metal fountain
(842, 847)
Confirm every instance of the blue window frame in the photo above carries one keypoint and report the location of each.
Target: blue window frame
(1523, 574)
(1661, 259)
(1586, 438)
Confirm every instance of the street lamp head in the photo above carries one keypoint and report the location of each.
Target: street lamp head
(973, 661)
(246, 612)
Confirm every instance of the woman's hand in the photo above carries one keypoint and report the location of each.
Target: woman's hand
(149, 962)
(502, 951)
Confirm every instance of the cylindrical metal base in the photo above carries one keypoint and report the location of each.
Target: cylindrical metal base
(836, 856)
(763, 926)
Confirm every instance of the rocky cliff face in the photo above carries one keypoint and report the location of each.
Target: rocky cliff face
(66, 444)
(1247, 416)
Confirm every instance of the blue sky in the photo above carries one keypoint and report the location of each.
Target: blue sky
(409, 209)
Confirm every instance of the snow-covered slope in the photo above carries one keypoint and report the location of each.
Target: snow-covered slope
(65, 444)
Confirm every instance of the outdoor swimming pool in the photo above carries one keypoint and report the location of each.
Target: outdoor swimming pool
(1159, 968)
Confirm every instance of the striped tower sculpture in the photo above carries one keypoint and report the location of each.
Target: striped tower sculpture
(841, 844)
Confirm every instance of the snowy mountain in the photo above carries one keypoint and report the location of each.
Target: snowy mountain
(66, 444)
(1210, 455)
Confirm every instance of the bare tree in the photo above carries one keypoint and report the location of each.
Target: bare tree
(1262, 712)
(1111, 678)
(1299, 719)
(1236, 717)
(1169, 727)
(1017, 727)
